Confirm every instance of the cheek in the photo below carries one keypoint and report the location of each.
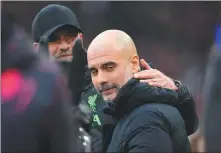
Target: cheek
(94, 81)
(121, 77)
(52, 48)
(72, 43)
(124, 75)
(128, 73)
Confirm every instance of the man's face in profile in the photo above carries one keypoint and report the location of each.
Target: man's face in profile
(109, 72)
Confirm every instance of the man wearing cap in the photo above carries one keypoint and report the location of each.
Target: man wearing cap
(55, 29)
(57, 26)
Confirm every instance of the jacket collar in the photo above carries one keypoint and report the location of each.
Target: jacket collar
(134, 94)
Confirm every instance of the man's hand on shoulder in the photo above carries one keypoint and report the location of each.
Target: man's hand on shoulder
(185, 101)
(154, 77)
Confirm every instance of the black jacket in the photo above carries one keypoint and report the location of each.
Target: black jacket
(184, 103)
(142, 127)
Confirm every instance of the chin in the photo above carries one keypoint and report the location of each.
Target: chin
(110, 98)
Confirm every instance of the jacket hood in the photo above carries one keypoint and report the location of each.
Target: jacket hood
(134, 94)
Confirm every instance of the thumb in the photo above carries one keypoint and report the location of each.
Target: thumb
(145, 65)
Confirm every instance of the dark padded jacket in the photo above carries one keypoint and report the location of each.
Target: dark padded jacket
(142, 127)
(184, 103)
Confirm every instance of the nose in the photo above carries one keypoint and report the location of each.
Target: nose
(102, 78)
(64, 46)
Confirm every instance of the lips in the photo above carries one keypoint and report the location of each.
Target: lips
(65, 55)
(108, 91)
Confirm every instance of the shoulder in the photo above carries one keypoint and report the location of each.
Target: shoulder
(154, 115)
(156, 110)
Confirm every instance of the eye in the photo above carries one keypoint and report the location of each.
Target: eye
(69, 39)
(109, 67)
(93, 72)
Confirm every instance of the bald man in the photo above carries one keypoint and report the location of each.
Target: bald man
(142, 122)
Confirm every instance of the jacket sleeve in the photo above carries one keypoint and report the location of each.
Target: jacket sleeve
(148, 135)
(187, 108)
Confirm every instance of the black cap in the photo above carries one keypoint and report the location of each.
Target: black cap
(51, 18)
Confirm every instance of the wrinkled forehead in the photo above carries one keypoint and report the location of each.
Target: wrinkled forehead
(96, 58)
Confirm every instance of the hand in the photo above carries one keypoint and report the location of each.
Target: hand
(154, 77)
(77, 70)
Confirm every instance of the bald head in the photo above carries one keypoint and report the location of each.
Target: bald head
(112, 60)
(114, 41)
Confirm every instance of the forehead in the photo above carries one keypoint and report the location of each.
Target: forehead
(65, 30)
(102, 56)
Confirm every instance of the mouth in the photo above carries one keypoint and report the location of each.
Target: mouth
(65, 55)
(108, 91)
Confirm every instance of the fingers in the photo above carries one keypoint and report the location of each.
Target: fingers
(155, 78)
(160, 83)
(146, 74)
(155, 82)
(145, 65)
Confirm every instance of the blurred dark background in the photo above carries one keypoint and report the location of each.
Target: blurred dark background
(176, 36)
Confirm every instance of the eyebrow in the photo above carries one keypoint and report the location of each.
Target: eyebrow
(108, 63)
(103, 65)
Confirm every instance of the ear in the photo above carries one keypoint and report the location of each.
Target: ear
(80, 35)
(35, 46)
(135, 63)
